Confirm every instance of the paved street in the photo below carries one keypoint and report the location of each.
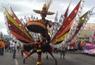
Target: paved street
(70, 59)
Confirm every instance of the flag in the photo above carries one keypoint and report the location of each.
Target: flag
(66, 25)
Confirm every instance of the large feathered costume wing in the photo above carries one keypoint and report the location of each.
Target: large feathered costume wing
(66, 26)
(16, 27)
(83, 19)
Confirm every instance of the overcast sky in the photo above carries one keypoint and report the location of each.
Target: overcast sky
(25, 8)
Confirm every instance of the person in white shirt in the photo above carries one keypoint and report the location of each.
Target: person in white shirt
(13, 48)
(11, 45)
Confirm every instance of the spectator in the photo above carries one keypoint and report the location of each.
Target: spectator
(14, 49)
(2, 46)
(63, 51)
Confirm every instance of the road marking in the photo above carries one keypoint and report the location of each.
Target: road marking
(16, 62)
